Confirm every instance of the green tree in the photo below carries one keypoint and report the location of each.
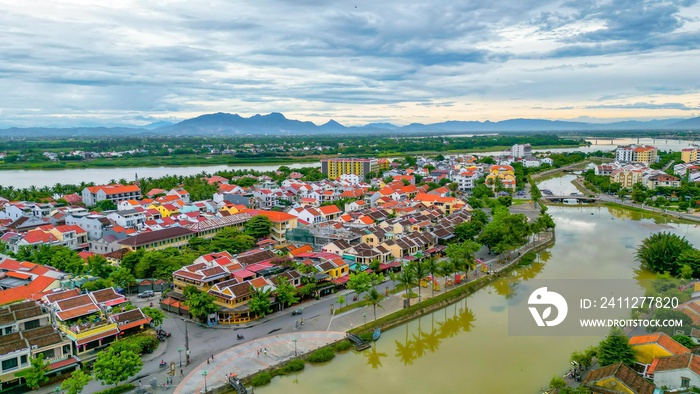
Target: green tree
(407, 279)
(36, 374)
(362, 282)
(286, 293)
(660, 251)
(201, 304)
(123, 278)
(431, 266)
(686, 272)
(375, 265)
(131, 259)
(557, 383)
(374, 298)
(446, 269)
(67, 260)
(232, 240)
(259, 303)
(98, 266)
(258, 227)
(420, 272)
(615, 349)
(478, 215)
(201, 245)
(468, 230)
(105, 205)
(684, 340)
(481, 191)
(157, 316)
(112, 367)
(341, 301)
(584, 358)
(76, 382)
(691, 258)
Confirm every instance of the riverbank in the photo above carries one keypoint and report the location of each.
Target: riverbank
(397, 315)
(656, 212)
(217, 160)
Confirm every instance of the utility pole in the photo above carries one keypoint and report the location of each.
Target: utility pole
(187, 343)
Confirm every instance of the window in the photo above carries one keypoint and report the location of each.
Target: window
(23, 359)
(685, 382)
(32, 324)
(9, 364)
(51, 353)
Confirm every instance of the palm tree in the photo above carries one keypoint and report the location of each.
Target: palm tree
(420, 272)
(374, 298)
(446, 269)
(407, 279)
(432, 267)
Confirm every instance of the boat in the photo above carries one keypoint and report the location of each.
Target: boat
(376, 334)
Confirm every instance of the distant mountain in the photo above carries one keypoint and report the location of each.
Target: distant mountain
(157, 125)
(693, 124)
(275, 123)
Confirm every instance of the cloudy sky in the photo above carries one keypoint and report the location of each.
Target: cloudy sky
(73, 62)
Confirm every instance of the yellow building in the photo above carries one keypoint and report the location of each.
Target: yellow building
(626, 176)
(172, 237)
(281, 223)
(648, 347)
(505, 173)
(334, 168)
(645, 154)
(689, 155)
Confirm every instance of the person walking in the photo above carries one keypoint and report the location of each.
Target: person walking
(181, 373)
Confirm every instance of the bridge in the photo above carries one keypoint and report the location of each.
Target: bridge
(578, 199)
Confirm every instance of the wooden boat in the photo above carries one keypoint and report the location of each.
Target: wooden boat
(376, 334)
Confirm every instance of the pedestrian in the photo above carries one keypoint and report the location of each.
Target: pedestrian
(208, 361)
(258, 352)
(265, 351)
(212, 357)
(140, 384)
(181, 373)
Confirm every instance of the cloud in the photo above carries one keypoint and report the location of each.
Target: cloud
(405, 61)
(677, 106)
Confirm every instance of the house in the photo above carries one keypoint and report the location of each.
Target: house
(505, 173)
(281, 223)
(676, 372)
(23, 280)
(26, 334)
(617, 378)
(130, 218)
(93, 224)
(115, 193)
(172, 237)
(658, 345)
(664, 180)
(330, 212)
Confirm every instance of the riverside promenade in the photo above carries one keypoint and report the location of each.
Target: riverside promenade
(251, 357)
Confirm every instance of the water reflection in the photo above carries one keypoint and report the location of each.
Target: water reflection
(374, 358)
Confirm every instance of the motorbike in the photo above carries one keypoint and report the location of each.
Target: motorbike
(163, 364)
(239, 336)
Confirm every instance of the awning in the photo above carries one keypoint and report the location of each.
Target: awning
(342, 280)
(63, 364)
(93, 338)
(133, 324)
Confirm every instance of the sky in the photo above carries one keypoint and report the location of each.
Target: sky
(71, 63)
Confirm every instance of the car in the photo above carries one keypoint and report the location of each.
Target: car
(297, 311)
(146, 294)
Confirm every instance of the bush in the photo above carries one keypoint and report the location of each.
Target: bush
(117, 390)
(261, 379)
(293, 366)
(144, 342)
(342, 346)
(366, 336)
(322, 355)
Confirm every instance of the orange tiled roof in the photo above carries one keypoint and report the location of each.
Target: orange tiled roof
(114, 189)
(275, 217)
(662, 340)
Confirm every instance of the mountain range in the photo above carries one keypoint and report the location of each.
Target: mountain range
(276, 123)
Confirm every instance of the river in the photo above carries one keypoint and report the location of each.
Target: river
(41, 178)
(465, 347)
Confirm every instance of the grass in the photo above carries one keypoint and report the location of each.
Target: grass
(118, 389)
(321, 355)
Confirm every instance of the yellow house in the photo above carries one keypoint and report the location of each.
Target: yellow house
(658, 345)
(617, 378)
(334, 268)
(689, 155)
(232, 209)
(505, 173)
(281, 223)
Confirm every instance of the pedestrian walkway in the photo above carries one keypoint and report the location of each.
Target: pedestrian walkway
(254, 356)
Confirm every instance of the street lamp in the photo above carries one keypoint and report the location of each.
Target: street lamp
(179, 350)
(204, 373)
(295, 346)
(364, 314)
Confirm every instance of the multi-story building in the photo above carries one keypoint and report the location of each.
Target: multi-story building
(636, 154)
(281, 223)
(520, 151)
(130, 218)
(93, 224)
(627, 176)
(172, 237)
(689, 155)
(115, 193)
(334, 168)
(505, 173)
(26, 333)
(662, 179)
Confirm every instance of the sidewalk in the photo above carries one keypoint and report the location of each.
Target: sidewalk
(254, 356)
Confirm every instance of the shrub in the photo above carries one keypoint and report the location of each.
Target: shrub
(342, 346)
(366, 336)
(293, 366)
(322, 355)
(118, 389)
(145, 343)
(261, 379)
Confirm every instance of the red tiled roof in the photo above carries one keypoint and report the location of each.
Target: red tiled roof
(98, 336)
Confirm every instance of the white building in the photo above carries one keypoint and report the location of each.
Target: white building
(115, 193)
(520, 151)
(129, 219)
(677, 372)
(352, 179)
(531, 161)
(93, 224)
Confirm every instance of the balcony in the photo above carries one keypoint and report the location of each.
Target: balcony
(79, 331)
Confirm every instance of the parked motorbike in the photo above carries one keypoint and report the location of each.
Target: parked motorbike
(239, 336)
